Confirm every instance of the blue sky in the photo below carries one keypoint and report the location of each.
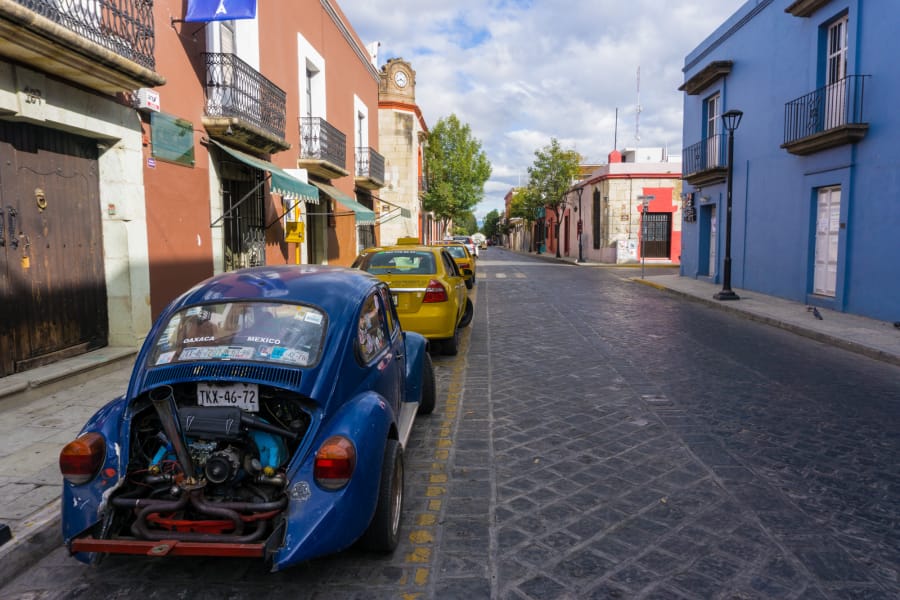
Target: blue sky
(520, 72)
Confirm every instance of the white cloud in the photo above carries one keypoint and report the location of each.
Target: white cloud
(520, 72)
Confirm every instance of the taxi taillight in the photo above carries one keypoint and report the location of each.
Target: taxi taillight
(81, 459)
(435, 292)
(335, 462)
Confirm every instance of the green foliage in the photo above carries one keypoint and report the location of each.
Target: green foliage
(490, 225)
(465, 224)
(456, 169)
(552, 174)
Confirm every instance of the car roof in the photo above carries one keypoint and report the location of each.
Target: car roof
(332, 288)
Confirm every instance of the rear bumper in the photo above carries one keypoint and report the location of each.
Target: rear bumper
(167, 548)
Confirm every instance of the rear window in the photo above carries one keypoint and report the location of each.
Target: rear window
(457, 251)
(406, 262)
(272, 332)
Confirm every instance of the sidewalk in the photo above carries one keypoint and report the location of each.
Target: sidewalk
(44, 408)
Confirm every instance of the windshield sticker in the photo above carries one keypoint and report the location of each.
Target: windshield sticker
(297, 357)
(198, 353)
(313, 317)
(165, 358)
(237, 352)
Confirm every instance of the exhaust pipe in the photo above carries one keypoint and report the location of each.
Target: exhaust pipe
(163, 399)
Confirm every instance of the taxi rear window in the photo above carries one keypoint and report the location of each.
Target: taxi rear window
(406, 262)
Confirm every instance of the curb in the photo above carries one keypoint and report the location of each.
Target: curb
(42, 535)
(818, 336)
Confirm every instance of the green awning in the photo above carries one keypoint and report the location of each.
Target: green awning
(282, 182)
(364, 216)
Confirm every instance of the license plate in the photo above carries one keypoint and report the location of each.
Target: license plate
(243, 395)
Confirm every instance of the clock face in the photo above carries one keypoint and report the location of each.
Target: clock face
(401, 79)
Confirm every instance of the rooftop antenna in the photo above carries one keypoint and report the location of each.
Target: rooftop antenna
(616, 131)
(637, 118)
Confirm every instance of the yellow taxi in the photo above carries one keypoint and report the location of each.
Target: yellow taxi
(464, 259)
(428, 289)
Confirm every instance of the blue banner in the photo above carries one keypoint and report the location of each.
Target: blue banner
(220, 10)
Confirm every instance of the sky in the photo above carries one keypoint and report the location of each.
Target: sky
(522, 72)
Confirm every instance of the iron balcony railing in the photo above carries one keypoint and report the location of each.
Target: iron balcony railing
(369, 164)
(235, 89)
(322, 140)
(835, 105)
(121, 26)
(704, 155)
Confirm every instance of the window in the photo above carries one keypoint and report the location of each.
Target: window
(713, 110)
(836, 74)
(308, 90)
(371, 331)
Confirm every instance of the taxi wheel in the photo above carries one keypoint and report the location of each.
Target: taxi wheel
(429, 391)
(383, 533)
(467, 315)
(450, 346)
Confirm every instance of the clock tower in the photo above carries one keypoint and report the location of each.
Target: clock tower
(397, 82)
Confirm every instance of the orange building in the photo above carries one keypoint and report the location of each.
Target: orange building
(281, 111)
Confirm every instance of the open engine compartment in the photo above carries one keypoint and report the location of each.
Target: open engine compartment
(206, 473)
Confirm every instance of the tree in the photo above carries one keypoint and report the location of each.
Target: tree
(490, 226)
(456, 169)
(554, 171)
(465, 224)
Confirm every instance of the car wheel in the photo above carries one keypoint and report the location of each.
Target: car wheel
(429, 391)
(470, 284)
(467, 314)
(450, 346)
(383, 533)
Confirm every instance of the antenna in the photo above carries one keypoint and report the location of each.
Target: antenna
(637, 117)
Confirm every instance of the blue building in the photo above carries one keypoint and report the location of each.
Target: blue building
(816, 171)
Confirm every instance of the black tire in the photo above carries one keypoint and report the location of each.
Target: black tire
(450, 346)
(429, 390)
(467, 314)
(383, 533)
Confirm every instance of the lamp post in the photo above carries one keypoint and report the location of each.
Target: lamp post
(730, 120)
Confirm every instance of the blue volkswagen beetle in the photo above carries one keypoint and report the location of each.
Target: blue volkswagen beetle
(266, 416)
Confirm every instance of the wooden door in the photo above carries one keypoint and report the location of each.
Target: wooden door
(52, 277)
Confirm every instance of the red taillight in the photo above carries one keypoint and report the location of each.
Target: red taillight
(80, 459)
(335, 462)
(464, 265)
(435, 292)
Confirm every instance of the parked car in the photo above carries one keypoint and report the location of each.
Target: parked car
(468, 242)
(464, 260)
(266, 416)
(428, 289)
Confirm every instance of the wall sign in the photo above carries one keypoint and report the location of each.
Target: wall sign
(172, 139)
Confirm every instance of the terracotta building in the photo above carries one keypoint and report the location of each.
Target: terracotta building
(140, 153)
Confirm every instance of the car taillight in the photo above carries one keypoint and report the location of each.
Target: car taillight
(335, 462)
(464, 265)
(80, 459)
(435, 292)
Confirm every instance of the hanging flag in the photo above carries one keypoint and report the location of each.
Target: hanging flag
(220, 10)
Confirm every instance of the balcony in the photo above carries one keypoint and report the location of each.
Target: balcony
(103, 45)
(369, 169)
(704, 162)
(243, 108)
(323, 149)
(828, 117)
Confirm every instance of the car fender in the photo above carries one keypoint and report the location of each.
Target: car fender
(319, 521)
(81, 504)
(416, 347)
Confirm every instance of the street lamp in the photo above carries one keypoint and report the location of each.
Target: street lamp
(730, 120)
